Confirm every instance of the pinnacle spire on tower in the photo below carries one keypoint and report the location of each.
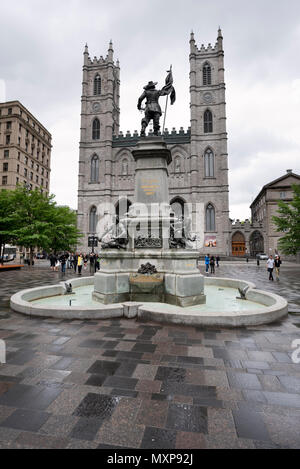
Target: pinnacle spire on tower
(110, 54)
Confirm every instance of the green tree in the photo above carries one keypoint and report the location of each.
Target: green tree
(7, 219)
(63, 232)
(288, 222)
(39, 222)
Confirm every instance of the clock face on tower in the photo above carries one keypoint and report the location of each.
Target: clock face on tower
(96, 107)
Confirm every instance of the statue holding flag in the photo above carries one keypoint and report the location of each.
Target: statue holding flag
(152, 95)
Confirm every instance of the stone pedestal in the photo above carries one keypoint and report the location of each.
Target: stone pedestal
(148, 225)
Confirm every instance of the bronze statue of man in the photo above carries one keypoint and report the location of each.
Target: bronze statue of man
(152, 95)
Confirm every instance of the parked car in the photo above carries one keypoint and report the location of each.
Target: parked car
(41, 255)
(262, 256)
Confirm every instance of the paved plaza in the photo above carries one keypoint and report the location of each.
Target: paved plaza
(130, 384)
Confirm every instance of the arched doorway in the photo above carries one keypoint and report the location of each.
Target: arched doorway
(238, 244)
(256, 243)
(122, 207)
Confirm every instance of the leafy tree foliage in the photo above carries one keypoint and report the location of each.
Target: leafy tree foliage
(288, 222)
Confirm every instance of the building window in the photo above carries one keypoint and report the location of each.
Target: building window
(37, 179)
(42, 182)
(5, 167)
(208, 121)
(9, 111)
(37, 168)
(96, 129)
(177, 164)
(19, 155)
(282, 195)
(4, 180)
(18, 168)
(209, 163)
(95, 169)
(97, 85)
(32, 164)
(206, 74)
(6, 153)
(8, 125)
(31, 176)
(7, 139)
(17, 180)
(26, 160)
(93, 220)
(19, 141)
(210, 218)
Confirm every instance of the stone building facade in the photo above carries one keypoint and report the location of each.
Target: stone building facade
(260, 235)
(265, 206)
(198, 174)
(25, 149)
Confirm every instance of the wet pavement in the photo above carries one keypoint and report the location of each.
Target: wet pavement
(130, 384)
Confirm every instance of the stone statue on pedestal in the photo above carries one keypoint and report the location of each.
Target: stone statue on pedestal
(152, 109)
(115, 235)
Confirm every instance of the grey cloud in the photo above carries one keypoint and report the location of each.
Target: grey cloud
(41, 63)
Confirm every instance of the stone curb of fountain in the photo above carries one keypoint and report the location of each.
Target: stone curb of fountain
(274, 307)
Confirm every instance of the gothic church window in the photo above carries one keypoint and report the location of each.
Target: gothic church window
(210, 219)
(209, 163)
(125, 167)
(177, 164)
(97, 85)
(206, 74)
(96, 129)
(208, 121)
(95, 169)
(93, 220)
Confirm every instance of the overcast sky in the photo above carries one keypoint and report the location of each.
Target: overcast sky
(41, 59)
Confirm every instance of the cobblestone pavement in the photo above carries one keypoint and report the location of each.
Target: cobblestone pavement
(129, 384)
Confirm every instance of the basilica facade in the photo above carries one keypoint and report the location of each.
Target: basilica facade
(198, 173)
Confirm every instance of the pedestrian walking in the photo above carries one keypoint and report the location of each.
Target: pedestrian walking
(98, 262)
(80, 264)
(277, 264)
(270, 266)
(63, 261)
(206, 261)
(212, 265)
(75, 262)
(85, 261)
(218, 261)
(52, 260)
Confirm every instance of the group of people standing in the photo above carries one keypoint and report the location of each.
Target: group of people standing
(75, 261)
(211, 262)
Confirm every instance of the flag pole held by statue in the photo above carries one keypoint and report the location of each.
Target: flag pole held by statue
(169, 80)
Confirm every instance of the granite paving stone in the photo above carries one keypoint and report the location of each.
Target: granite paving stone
(133, 384)
(22, 419)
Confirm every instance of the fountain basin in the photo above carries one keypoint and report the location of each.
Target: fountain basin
(221, 309)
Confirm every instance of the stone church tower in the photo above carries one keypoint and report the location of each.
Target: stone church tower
(100, 117)
(209, 157)
(198, 174)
